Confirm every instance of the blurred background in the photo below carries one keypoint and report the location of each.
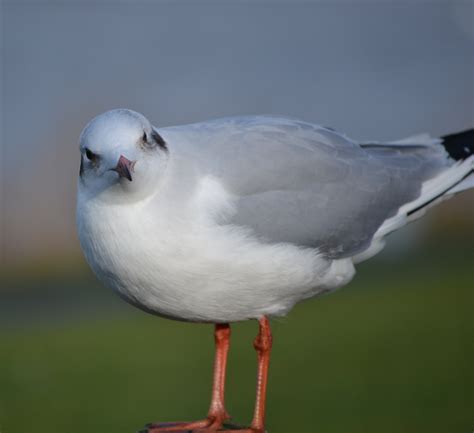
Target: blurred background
(391, 352)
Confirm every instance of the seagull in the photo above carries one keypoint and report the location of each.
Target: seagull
(241, 218)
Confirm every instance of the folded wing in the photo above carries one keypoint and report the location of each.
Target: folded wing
(308, 185)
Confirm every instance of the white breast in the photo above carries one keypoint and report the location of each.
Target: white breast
(172, 257)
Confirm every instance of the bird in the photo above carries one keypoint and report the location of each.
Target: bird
(241, 218)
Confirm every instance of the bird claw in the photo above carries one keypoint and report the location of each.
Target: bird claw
(178, 427)
(192, 427)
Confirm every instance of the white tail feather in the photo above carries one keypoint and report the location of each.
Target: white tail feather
(433, 191)
(464, 185)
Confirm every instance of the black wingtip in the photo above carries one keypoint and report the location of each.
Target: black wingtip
(459, 145)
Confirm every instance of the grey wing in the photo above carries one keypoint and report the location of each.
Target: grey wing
(308, 185)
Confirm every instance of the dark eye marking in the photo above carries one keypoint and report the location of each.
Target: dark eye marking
(81, 168)
(153, 140)
(159, 140)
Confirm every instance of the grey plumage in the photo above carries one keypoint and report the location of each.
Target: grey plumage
(305, 184)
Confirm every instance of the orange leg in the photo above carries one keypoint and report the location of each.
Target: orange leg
(222, 338)
(263, 346)
(217, 413)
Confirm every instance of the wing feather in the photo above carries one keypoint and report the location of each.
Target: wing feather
(309, 185)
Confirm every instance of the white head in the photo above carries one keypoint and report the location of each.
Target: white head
(122, 156)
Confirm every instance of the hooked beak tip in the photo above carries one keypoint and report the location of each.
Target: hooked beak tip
(125, 167)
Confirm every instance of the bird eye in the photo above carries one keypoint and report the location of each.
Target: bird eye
(91, 156)
(147, 144)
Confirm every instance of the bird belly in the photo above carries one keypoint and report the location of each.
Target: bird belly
(206, 273)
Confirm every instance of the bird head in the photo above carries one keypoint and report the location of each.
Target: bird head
(121, 154)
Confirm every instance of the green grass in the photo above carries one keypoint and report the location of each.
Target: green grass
(391, 353)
